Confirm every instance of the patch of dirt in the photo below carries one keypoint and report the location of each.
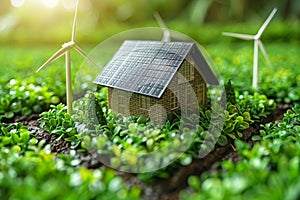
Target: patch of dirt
(279, 112)
(58, 145)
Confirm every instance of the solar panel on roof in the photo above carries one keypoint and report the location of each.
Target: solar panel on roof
(144, 67)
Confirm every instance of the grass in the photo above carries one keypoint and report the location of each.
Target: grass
(21, 61)
(233, 60)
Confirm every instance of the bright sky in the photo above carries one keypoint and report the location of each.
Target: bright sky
(67, 4)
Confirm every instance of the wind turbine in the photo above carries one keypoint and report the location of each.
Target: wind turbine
(65, 50)
(257, 44)
(166, 33)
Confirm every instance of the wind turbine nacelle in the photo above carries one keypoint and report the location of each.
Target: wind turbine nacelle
(68, 44)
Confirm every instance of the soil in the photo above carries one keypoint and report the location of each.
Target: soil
(164, 189)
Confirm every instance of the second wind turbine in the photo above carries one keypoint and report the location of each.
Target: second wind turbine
(257, 44)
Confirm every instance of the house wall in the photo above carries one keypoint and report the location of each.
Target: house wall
(196, 81)
(176, 97)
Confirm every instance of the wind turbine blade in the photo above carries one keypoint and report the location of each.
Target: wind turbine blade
(74, 21)
(265, 24)
(240, 36)
(79, 50)
(161, 23)
(55, 56)
(262, 48)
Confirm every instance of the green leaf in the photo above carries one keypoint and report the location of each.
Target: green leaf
(194, 182)
(149, 143)
(110, 125)
(37, 108)
(87, 140)
(26, 111)
(186, 160)
(116, 150)
(66, 123)
(256, 138)
(33, 141)
(15, 138)
(6, 140)
(25, 135)
(68, 130)
(53, 123)
(229, 128)
(101, 141)
(5, 102)
(246, 116)
(239, 134)
(115, 184)
(142, 119)
(117, 129)
(297, 129)
(132, 127)
(16, 107)
(222, 141)
(115, 162)
(231, 135)
(242, 126)
(54, 100)
(4, 130)
(9, 115)
(239, 119)
(70, 139)
(57, 131)
(131, 158)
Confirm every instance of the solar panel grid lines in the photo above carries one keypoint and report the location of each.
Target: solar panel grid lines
(144, 67)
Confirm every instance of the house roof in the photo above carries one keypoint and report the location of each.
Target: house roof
(147, 67)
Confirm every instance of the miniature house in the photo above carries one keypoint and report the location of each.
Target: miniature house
(145, 74)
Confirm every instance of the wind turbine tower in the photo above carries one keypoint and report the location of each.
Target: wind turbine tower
(166, 33)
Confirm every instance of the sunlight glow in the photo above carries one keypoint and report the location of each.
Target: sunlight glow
(69, 4)
(66, 4)
(17, 3)
(50, 3)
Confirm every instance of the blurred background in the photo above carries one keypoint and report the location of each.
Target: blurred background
(49, 21)
(32, 30)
